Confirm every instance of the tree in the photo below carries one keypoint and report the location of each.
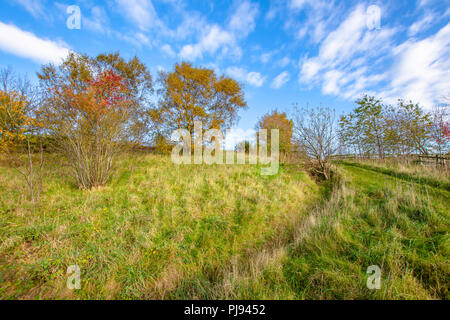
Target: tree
(190, 94)
(280, 121)
(440, 129)
(351, 136)
(10, 81)
(163, 145)
(386, 129)
(416, 126)
(17, 129)
(363, 130)
(395, 137)
(13, 119)
(94, 107)
(16, 104)
(244, 145)
(315, 135)
(370, 122)
(77, 71)
(137, 78)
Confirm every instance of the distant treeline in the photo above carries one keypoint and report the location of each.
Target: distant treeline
(374, 129)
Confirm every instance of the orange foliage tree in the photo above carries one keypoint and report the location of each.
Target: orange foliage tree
(280, 121)
(17, 129)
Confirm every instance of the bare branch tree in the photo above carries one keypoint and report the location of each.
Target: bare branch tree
(315, 134)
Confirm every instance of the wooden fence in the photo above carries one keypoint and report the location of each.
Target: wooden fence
(436, 160)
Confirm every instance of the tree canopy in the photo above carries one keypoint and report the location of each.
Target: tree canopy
(190, 94)
(280, 121)
(93, 107)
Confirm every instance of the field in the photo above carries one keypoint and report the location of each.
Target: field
(161, 231)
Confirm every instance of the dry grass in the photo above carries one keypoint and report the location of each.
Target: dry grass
(374, 219)
(168, 232)
(226, 232)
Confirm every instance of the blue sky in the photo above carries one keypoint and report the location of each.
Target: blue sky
(284, 52)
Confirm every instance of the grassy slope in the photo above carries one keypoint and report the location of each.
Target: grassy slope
(413, 173)
(375, 219)
(225, 232)
(168, 232)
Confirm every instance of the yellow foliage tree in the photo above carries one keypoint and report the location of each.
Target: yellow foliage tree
(17, 128)
(14, 121)
(280, 121)
(191, 94)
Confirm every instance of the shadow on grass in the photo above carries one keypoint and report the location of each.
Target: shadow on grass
(432, 182)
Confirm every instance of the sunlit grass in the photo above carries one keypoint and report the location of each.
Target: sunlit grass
(161, 231)
(166, 231)
(375, 219)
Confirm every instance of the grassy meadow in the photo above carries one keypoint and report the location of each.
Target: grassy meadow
(162, 231)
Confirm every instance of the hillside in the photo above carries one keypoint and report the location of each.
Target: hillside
(210, 232)
(166, 231)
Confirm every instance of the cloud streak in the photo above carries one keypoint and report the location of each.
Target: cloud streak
(253, 78)
(280, 80)
(27, 45)
(224, 40)
(140, 12)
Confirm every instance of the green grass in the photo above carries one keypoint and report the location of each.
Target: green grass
(414, 173)
(224, 232)
(375, 219)
(168, 232)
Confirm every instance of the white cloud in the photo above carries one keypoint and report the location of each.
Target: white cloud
(284, 62)
(421, 71)
(140, 12)
(271, 14)
(265, 57)
(192, 22)
(167, 49)
(142, 38)
(280, 80)
(318, 15)
(242, 22)
(213, 39)
(421, 25)
(340, 65)
(447, 12)
(344, 41)
(353, 60)
(190, 52)
(331, 82)
(423, 3)
(298, 4)
(237, 73)
(253, 78)
(98, 20)
(27, 45)
(136, 39)
(34, 7)
(314, 4)
(310, 68)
